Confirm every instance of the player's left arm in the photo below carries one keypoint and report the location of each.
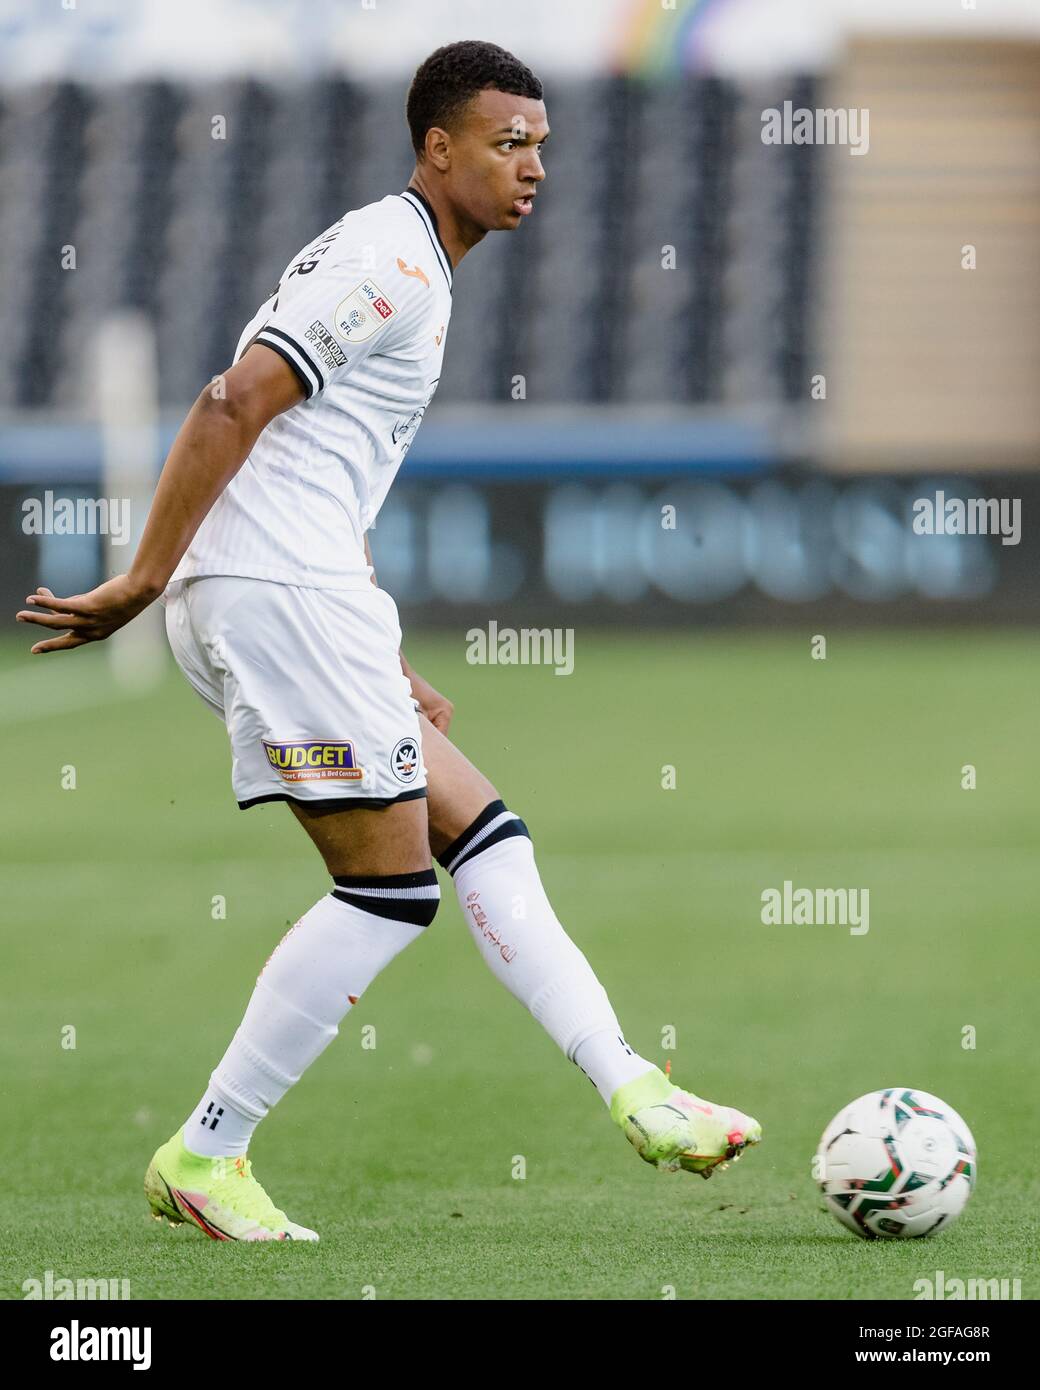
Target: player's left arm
(437, 708)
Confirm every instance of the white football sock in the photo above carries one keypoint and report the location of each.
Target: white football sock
(311, 981)
(608, 1061)
(520, 938)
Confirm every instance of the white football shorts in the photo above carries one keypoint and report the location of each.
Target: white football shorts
(309, 685)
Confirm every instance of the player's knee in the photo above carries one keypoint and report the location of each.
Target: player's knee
(410, 898)
(494, 824)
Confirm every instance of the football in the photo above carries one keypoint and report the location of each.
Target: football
(896, 1163)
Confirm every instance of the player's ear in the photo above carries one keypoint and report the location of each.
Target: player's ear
(438, 148)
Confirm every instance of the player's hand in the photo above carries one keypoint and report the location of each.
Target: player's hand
(432, 703)
(88, 617)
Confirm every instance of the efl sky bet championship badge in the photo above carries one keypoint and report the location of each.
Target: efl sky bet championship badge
(362, 312)
(314, 761)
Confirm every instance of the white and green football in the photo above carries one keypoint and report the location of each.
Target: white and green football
(896, 1163)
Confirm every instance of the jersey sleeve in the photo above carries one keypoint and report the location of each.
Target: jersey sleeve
(327, 319)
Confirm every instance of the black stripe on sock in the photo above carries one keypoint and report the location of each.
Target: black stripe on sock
(425, 878)
(505, 831)
(493, 809)
(391, 895)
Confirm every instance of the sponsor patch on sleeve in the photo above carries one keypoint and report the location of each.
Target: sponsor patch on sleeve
(325, 345)
(363, 312)
(314, 760)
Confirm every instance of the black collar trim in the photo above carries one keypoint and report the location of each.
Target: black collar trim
(435, 236)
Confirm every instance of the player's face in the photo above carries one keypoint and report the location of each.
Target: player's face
(496, 164)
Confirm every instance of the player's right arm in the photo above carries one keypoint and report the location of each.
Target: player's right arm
(211, 446)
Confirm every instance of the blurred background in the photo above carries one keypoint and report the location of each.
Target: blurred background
(786, 343)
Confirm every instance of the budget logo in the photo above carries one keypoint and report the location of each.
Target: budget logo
(314, 760)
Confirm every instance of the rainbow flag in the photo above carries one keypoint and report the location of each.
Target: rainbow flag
(658, 39)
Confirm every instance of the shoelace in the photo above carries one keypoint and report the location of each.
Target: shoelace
(233, 1192)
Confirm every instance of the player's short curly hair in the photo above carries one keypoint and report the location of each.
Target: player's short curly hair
(451, 76)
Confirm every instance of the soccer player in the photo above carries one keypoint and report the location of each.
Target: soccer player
(256, 542)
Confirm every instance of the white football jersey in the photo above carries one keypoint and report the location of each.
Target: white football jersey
(361, 316)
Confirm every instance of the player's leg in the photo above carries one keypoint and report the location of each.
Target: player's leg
(383, 894)
(362, 803)
(387, 840)
(488, 852)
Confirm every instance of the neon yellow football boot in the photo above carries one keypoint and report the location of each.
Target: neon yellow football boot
(218, 1195)
(673, 1129)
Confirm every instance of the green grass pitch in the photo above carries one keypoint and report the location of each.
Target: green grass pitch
(843, 772)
